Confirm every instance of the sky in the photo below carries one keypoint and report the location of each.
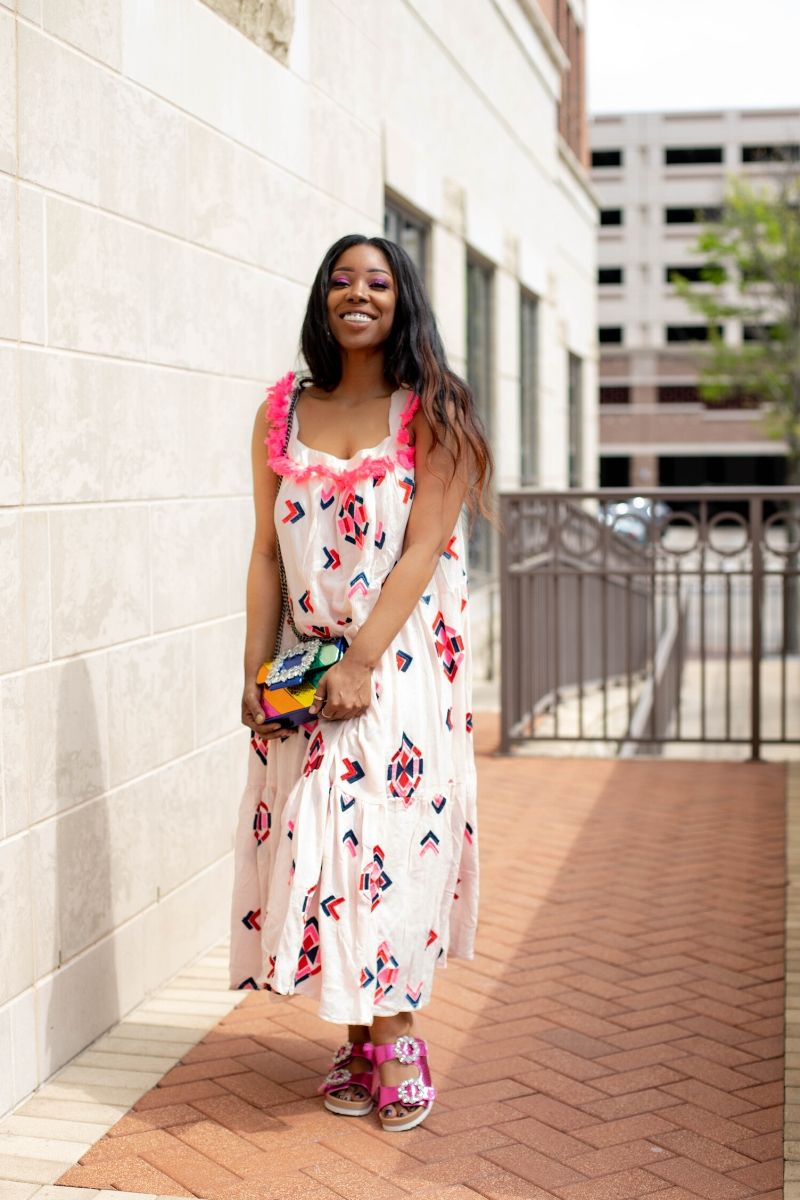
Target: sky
(645, 55)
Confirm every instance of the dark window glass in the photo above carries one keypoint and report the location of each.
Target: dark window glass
(575, 420)
(691, 216)
(480, 372)
(410, 232)
(615, 395)
(689, 333)
(677, 155)
(670, 393)
(610, 216)
(787, 152)
(529, 389)
(615, 471)
(609, 333)
(610, 275)
(606, 158)
(695, 273)
(760, 333)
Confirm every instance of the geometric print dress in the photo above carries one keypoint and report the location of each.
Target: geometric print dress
(356, 853)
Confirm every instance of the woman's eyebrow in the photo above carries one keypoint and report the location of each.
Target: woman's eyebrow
(370, 270)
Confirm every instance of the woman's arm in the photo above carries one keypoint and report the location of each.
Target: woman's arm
(263, 582)
(345, 689)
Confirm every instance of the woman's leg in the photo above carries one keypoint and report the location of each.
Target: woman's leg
(393, 1072)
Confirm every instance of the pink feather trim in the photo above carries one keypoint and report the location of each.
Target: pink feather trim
(277, 412)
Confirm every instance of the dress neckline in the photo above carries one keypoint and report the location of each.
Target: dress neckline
(343, 462)
(287, 455)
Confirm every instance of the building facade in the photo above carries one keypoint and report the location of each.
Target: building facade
(170, 177)
(657, 176)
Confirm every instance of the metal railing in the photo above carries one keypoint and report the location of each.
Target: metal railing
(679, 624)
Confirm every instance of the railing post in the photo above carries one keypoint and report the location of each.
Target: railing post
(507, 660)
(757, 567)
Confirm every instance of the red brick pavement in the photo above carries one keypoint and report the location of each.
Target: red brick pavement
(618, 1034)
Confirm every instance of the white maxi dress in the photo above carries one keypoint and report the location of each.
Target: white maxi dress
(356, 853)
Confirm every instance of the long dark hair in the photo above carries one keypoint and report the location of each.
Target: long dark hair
(413, 357)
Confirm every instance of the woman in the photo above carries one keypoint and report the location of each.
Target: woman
(356, 855)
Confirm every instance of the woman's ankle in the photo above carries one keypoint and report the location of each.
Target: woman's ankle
(388, 1029)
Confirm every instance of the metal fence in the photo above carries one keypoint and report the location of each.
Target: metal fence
(674, 622)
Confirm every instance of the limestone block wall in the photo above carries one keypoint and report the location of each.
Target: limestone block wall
(167, 188)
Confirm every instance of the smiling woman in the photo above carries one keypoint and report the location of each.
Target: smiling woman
(356, 867)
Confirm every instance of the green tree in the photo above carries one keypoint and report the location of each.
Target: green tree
(752, 275)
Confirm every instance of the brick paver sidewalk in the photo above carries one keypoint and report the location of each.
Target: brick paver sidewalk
(618, 1034)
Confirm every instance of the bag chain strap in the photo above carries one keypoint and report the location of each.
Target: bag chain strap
(285, 606)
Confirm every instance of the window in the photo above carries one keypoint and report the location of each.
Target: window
(615, 395)
(705, 273)
(607, 334)
(670, 393)
(610, 216)
(480, 370)
(681, 155)
(606, 158)
(615, 471)
(760, 333)
(607, 275)
(690, 333)
(575, 420)
(529, 389)
(410, 232)
(691, 216)
(787, 152)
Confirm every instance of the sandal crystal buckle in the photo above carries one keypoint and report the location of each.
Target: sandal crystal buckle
(337, 1077)
(343, 1053)
(414, 1091)
(407, 1049)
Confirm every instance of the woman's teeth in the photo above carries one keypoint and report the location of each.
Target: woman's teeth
(354, 317)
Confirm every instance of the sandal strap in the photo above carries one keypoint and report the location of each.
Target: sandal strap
(406, 1049)
(410, 1092)
(340, 1076)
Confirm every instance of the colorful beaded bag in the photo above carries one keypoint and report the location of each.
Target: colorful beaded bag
(288, 681)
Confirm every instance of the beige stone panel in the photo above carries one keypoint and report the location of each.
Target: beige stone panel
(84, 998)
(16, 956)
(212, 314)
(185, 923)
(9, 292)
(190, 562)
(196, 801)
(147, 421)
(14, 758)
(12, 626)
(150, 704)
(101, 871)
(143, 169)
(10, 458)
(69, 766)
(8, 94)
(193, 58)
(62, 413)
(335, 42)
(218, 650)
(94, 26)
(25, 1074)
(345, 157)
(32, 9)
(219, 429)
(60, 154)
(36, 586)
(100, 577)
(97, 282)
(32, 292)
(241, 526)
(6, 1056)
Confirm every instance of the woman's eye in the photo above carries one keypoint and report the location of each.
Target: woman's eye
(380, 284)
(341, 282)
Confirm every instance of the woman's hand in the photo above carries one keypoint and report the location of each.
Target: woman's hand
(345, 690)
(254, 718)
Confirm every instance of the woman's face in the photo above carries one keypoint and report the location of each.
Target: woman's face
(361, 298)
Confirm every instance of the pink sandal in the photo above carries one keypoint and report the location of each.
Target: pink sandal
(340, 1077)
(417, 1092)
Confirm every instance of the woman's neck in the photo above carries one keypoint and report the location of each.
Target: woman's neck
(363, 377)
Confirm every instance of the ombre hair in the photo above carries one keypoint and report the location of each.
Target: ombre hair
(414, 357)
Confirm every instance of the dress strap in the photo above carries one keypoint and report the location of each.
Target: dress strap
(278, 413)
(410, 402)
